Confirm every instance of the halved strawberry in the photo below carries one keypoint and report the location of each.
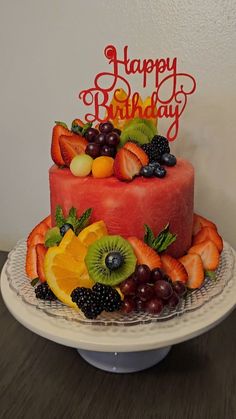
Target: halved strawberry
(31, 263)
(71, 147)
(174, 269)
(58, 130)
(39, 230)
(199, 222)
(138, 151)
(126, 165)
(194, 267)
(144, 253)
(209, 254)
(209, 233)
(41, 251)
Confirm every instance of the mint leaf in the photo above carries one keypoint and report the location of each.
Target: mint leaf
(62, 124)
(86, 127)
(34, 282)
(163, 240)
(60, 220)
(82, 222)
(211, 275)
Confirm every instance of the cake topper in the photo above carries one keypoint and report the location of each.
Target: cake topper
(112, 98)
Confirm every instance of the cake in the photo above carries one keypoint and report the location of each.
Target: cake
(122, 234)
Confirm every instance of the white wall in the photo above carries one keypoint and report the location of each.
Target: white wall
(50, 50)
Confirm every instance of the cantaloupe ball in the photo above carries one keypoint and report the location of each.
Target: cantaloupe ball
(102, 167)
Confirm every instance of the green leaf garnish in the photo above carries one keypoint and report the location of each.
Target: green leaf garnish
(163, 240)
(86, 127)
(62, 124)
(211, 275)
(34, 282)
(77, 223)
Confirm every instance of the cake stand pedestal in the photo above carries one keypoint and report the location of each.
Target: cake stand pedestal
(121, 349)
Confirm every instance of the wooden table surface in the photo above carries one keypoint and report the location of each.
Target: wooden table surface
(41, 379)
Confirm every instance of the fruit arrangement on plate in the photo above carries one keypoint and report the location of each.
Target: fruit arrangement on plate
(75, 257)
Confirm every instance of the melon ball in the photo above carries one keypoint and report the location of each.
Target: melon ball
(81, 165)
(102, 167)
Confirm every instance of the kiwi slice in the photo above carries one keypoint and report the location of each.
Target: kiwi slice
(133, 134)
(147, 122)
(97, 253)
(52, 237)
(144, 129)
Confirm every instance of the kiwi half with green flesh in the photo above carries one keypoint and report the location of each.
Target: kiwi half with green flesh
(144, 129)
(132, 134)
(147, 122)
(95, 260)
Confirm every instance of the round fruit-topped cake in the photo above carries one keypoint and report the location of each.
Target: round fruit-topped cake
(122, 235)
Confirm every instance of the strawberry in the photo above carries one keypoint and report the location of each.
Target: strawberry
(138, 151)
(209, 233)
(77, 122)
(31, 263)
(126, 165)
(209, 254)
(39, 230)
(41, 251)
(194, 267)
(59, 129)
(174, 269)
(144, 253)
(71, 147)
(199, 222)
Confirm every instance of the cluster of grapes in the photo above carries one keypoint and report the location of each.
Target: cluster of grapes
(150, 291)
(102, 142)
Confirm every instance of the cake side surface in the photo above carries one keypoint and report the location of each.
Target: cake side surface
(126, 207)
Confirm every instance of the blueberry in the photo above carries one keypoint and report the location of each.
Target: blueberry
(147, 171)
(65, 228)
(154, 164)
(114, 260)
(168, 159)
(160, 172)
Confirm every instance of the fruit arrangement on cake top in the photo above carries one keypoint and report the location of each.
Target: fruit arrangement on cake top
(107, 151)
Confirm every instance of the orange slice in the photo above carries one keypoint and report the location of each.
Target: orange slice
(92, 233)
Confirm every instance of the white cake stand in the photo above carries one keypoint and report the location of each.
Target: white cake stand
(122, 349)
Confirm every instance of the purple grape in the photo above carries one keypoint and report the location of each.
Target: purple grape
(100, 139)
(112, 139)
(179, 288)
(156, 275)
(140, 304)
(128, 287)
(128, 305)
(93, 150)
(90, 134)
(117, 130)
(163, 289)
(145, 292)
(154, 306)
(142, 274)
(108, 151)
(106, 127)
(173, 301)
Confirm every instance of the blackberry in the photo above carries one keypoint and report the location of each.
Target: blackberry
(108, 297)
(161, 143)
(43, 292)
(152, 152)
(83, 297)
(91, 311)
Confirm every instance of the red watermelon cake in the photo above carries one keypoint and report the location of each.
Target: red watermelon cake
(122, 234)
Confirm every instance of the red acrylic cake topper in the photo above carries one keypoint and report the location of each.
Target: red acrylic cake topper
(168, 100)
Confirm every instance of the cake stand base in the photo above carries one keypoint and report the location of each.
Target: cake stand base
(124, 362)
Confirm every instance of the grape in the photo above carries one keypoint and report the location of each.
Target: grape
(154, 306)
(145, 292)
(93, 150)
(108, 151)
(106, 127)
(128, 305)
(179, 288)
(142, 274)
(100, 139)
(117, 130)
(112, 139)
(163, 289)
(91, 134)
(140, 304)
(156, 275)
(81, 165)
(173, 301)
(128, 287)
